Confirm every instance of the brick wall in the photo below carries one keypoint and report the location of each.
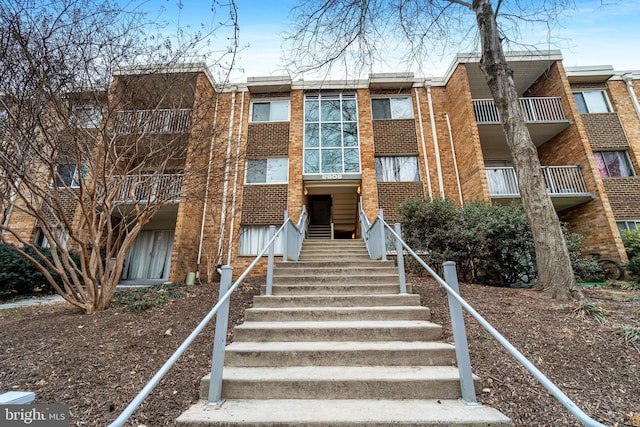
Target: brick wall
(264, 204)
(393, 194)
(367, 157)
(395, 137)
(267, 140)
(624, 196)
(605, 131)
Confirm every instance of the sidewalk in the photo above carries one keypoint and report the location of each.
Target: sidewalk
(31, 301)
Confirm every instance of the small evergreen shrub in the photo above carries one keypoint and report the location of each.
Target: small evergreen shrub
(19, 277)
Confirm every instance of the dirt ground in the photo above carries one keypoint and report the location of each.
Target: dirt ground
(98, 363)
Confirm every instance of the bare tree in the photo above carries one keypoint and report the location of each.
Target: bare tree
(361, 31)
(90, 153)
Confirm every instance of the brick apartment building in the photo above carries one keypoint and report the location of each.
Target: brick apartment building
(328, 146)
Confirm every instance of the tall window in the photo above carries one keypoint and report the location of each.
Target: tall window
(270, 111)
(331, 142)
(253, 238)
(267, 171)
(392, 108)
(69, 175)
(613, 163)
(397, 169)
(593, 101)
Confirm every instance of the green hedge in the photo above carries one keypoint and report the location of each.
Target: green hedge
(19, 277)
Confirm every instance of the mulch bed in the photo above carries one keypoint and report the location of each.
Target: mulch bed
(98, 363)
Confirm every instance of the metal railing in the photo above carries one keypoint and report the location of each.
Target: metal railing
(152, 121)
(456, 304)
(565, 180)
(147, 188)
(535, 109)
(221, 309)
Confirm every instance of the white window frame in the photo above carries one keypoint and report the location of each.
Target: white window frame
(253, 239)
(628, 224)
(396, 175)
(605, 96)
(267, 176)
(76, 177)
(391, 110)
(624, 155)
(270, 101)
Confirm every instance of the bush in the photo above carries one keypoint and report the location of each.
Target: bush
(490, 244)
(633, 266)
(631, 239)
(19, 277)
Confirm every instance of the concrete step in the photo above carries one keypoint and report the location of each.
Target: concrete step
(334, 242)
(342, 413)
(368, 263)
(330, 270)
(336, 289)
(330, 279)
(349, 330)
(339, 382)
(332, 353)
(336, 313)
(263, 301)
(337, 257)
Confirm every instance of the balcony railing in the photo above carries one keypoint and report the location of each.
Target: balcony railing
(547, 109)
(560, 180)
(152, 121)
(150, 188)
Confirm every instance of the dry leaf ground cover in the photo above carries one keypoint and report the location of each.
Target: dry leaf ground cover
(97, 363)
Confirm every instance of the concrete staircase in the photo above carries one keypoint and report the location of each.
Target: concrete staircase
(337, 345)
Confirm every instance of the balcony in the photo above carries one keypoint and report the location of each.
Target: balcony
(164, 121)
(565, 185)
(150, 188)
(544, 116)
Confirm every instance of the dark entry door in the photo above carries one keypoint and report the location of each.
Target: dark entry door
(321, 210)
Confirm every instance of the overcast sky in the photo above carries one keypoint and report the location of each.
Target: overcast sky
(592, 35)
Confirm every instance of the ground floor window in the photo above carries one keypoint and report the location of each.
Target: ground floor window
(253, 238)
(397, 169)
(42, 241)
(149, 257)
(630, 224)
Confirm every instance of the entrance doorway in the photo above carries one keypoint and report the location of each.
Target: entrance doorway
(333, 209)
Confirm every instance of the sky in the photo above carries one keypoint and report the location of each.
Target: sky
(598, 32)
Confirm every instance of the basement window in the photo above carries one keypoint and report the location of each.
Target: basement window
(253, 238)
(397, 169)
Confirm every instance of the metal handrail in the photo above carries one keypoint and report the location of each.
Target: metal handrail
(223, 302)
(465, 381)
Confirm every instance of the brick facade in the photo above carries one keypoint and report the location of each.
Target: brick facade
(267, 140)
(624, 196)
(395, 137)
(605, 131)
(393, 194)
(264, 204)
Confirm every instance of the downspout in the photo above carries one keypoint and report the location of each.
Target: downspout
(206, 189)
(235, 182)
(455, 160)
(628, 78)
(424, 146)
(434, 131)
(225, 190)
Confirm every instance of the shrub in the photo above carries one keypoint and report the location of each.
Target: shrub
(144, 298)
(631, 239)
(18, 276)
(633, 266)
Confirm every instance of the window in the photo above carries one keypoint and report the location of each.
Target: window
(270, 111)
(331, 142)
(42, 241)
(253, 238)
(68, 175)
(630, 224)
(613, 163)
(4, 118)
(392, 108)
(397, 169)
(267, 171)
(594, 101)
(88, 117)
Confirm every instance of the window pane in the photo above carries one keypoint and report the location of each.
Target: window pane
(600, 163)
(256, 171)
(617, 163)
(350, 134)
(331, 135)
(67, 176)
(331, 161)
(277, 170)
(254, 238)
(311, 113)
(401, 108)
(596, 102)
(279, 111)
(381, 109)
(352, 160)
(397, 169)
(260, 112)
(311, 135)
(582, 106)
(311, 161)
(330, 111)
(408, 169)
(349, 110)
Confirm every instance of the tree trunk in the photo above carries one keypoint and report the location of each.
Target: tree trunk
(555, 274)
